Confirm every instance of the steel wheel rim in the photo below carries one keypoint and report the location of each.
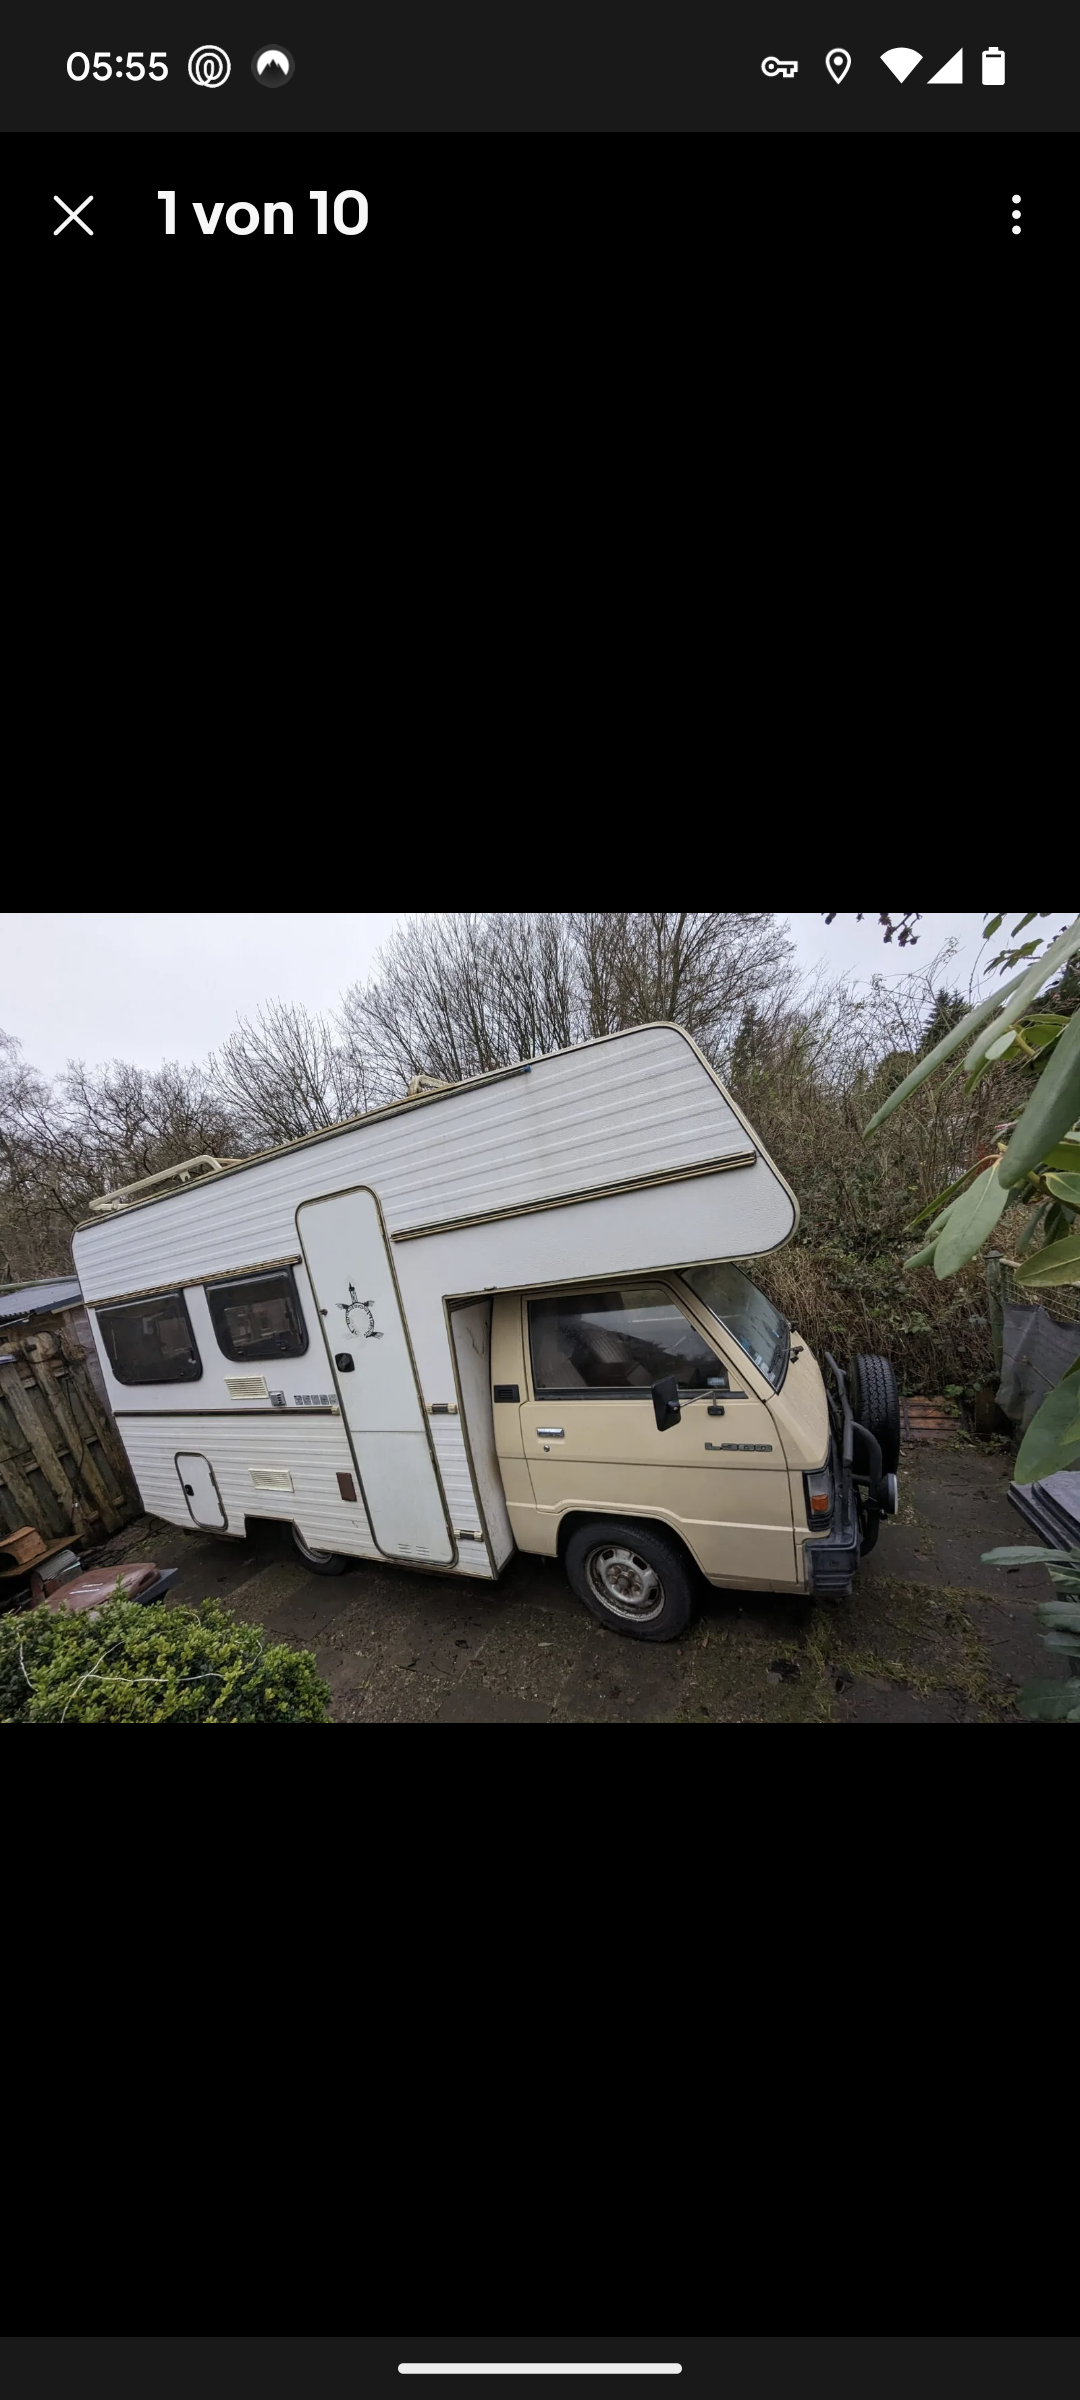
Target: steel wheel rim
(625, 1583)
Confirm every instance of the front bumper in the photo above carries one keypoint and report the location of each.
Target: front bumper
(864, 1496)
(831, 1564)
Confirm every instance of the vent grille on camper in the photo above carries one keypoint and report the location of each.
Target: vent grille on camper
(246, 1387)
(271, 1479)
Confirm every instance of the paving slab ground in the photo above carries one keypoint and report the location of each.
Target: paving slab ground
(930, 1636)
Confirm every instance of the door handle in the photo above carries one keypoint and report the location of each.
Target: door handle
(549, 1433)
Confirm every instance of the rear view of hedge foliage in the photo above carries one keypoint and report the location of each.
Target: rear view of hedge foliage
(128, 1665)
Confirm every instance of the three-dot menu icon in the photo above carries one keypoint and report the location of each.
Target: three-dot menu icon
(1016, 212)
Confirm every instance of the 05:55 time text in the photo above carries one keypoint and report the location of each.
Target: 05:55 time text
(134, 71)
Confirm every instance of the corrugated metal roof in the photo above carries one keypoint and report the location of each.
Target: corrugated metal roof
(39, 1299)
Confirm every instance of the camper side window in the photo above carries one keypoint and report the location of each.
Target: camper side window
(151, 1341)
(617, 1341)
(258, 1317)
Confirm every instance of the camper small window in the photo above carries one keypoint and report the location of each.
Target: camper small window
(617, 1341)
(151, 1341)
(258, 1316)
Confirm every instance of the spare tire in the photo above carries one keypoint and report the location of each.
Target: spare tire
(875, 1403)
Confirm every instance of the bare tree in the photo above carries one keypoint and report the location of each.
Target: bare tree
(26, 1247)
(698, 968)
(453, 995)
(94, 1128)
(287, 1074)
(118, 1122)
(462, 995)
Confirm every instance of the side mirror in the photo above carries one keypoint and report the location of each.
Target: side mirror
(665, 1400)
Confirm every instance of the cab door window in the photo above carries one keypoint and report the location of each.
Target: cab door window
(617, 1342)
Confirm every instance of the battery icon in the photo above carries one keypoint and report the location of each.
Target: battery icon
(993, 66)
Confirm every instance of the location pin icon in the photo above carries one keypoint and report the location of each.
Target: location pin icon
(838, 62)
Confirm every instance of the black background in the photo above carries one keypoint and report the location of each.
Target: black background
(467, 218)
(481, 247)
(547, 66)
(714, 2367)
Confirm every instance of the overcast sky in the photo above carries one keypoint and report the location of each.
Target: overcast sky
(149, 988)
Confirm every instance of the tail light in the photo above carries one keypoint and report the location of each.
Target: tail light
(819, 1497)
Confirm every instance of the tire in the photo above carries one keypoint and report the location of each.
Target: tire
(320, 1562)
(875, 1404)
(656, 1601)
(869, 1526)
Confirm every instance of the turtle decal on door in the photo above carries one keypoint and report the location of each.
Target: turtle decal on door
(371, 1334)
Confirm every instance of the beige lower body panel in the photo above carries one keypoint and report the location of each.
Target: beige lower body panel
(743, 1556)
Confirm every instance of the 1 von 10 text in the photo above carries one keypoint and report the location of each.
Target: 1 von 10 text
(243, 216)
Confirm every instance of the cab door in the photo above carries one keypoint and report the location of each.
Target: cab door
(591, 1441)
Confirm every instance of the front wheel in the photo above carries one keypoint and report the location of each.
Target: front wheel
(631, 1579)
(320, 1562)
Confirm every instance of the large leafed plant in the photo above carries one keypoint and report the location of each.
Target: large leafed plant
(1034, 1160)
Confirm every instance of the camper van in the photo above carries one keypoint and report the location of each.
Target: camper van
(511, 1313)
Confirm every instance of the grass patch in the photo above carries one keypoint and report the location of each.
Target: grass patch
(911, 1634)
(924, 1638)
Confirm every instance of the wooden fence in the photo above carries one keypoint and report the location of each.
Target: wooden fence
(62, 1466)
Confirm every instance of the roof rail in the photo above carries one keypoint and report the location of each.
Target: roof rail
(181, 1173)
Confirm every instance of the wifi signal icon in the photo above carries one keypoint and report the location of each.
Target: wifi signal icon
(901, 63)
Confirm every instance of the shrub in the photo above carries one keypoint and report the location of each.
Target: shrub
(809, 1074)
(126, 1665)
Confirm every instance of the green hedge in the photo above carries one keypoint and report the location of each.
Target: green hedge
(128, 1665)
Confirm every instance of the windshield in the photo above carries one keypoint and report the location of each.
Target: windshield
(745, 1313)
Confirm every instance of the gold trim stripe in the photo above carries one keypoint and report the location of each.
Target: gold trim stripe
(598, 1191)
(191, 1283)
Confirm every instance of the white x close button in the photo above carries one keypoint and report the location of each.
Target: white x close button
(74, 215)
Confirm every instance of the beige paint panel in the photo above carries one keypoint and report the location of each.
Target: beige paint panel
(801, 1411)
(507, 1366)
(625, 1432)
(755, 1547)
(534, 1531)
(735, 1514)
(516, 1480)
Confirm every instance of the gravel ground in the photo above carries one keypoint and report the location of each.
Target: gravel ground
(930, 1635)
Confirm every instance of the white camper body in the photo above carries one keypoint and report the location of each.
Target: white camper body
(382, 1245)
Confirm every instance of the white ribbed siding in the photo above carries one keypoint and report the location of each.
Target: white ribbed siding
(638, 1106)
(311, 1450)
(452, 1460)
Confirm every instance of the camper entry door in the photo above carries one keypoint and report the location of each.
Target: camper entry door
(346, 1256)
